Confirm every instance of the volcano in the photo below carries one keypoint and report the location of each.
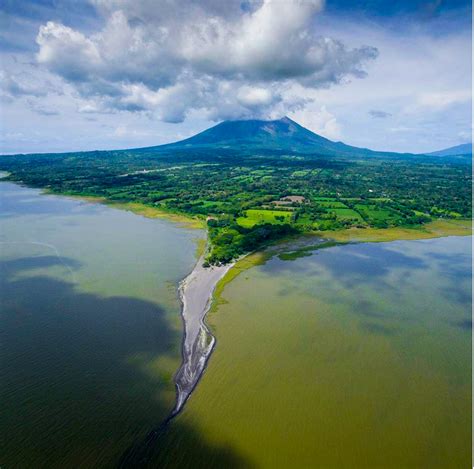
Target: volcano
(282, 135)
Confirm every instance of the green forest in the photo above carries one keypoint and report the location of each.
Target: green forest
(248, 200)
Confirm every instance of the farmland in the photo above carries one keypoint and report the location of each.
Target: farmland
(254, 217)
(248, 200)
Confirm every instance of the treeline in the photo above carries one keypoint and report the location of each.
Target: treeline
(224, 185)
(230, 241)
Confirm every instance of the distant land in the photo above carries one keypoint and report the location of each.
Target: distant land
(252, 182)
(281, 135)
(463, 149)
(267, 135)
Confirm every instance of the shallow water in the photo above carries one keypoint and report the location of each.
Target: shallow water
(354, 356)
(91, 328)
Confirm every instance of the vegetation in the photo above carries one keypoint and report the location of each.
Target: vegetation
(250, 199)
(254, 217)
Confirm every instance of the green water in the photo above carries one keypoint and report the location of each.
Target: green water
(90, 328)
(353, 356)
(356, 356)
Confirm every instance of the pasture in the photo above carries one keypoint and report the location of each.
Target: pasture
(254, 217)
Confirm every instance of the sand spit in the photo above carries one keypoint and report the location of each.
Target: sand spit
(196, 295)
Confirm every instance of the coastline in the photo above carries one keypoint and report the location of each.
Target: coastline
(196, 293)
(305, 242)
(200, 292)
(438, 228)
(141, 209)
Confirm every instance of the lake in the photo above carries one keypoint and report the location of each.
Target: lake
(91, 327)
(355, 355)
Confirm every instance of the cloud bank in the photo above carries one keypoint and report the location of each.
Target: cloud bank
(226, 60)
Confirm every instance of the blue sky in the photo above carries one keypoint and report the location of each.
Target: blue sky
(104, 74)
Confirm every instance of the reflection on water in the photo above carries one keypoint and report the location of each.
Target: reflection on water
(354, 356)
(91, 331)
(350, 356)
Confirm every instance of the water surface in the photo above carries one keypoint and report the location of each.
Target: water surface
(354, 356)
(91, 329)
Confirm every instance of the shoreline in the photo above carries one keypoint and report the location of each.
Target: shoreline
(200, 291)
(436, 228)
(140, 209)
(196, 292)
(137, 208)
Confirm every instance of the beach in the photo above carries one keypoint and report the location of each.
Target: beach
(196, 292)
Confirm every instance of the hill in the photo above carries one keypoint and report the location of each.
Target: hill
(257, 181)
(282, 135)
(464, 149)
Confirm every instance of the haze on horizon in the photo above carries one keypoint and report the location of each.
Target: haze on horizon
(107, 74)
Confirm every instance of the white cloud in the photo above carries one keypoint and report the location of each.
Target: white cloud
(441, 100)
(88, 109)
(125, 131)
(140, 55)
(251, 96)
(416, 66)
(320, 121)
(171, 58)
(23, 84)
(67, 52)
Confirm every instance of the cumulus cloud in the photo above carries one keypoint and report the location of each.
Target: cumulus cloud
(225, 59)
(321, 121)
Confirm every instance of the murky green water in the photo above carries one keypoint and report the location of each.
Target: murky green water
(90, 328)
(357, 356)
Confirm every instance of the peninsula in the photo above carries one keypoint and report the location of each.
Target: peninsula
(251, 183)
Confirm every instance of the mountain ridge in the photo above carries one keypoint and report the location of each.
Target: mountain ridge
(287, 136)
(267, 135)
(463, 149)
(280, 137)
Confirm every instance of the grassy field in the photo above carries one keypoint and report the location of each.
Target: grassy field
(435, 229)
(328, 202)
(331, 204)
(347, 213)
(253, 217)
(376, 213)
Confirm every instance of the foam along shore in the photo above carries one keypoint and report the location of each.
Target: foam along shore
(196, 292)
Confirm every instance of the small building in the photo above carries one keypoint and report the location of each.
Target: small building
(299, 199)
(289, 200)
